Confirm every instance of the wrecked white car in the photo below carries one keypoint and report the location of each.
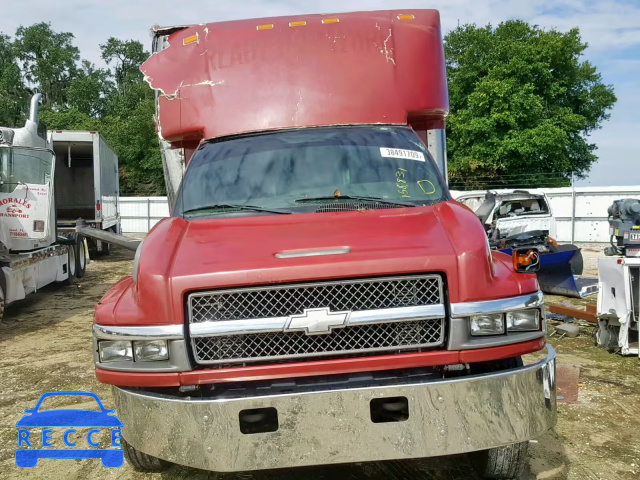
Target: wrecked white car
(514, 212)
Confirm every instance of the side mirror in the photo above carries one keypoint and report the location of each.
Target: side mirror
(526, 260)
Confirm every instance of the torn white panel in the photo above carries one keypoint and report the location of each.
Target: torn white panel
(19, 283)
(30, 273)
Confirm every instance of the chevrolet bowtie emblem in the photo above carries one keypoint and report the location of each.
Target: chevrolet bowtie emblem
(316, 321)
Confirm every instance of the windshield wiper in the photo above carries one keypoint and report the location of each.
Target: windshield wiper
(356, 197)
(231, 206)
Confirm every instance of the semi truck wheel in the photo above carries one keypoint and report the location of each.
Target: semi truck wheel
(82, 254)
(141, 461)
(504, 463)
(71, 266)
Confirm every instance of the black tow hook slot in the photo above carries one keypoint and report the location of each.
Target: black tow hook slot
(258, 420)
(390, 409)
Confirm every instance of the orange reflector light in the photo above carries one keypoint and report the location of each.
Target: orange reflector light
(301, 23)
(190, 40)
(269, 26)
(330, 20)
(525, 261)
(406, 17)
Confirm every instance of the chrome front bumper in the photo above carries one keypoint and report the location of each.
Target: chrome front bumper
(330, 427)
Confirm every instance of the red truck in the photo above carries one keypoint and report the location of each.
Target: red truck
(317, 297)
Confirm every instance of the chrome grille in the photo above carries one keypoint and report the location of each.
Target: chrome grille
(348, 340)
(348, 295)
(398, 309)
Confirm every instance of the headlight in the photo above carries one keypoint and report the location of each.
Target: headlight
(487, 324)
(115, 351)
(523, 321)
(150, 350)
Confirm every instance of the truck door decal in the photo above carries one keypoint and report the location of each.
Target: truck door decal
(24, 206)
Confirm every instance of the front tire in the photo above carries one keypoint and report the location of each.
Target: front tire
(503, 463)
(141, 461)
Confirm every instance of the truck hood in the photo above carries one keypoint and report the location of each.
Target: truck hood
(180, 256)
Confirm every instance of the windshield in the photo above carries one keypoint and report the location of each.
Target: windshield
(289, 169)
(24, 166)
(522, 206)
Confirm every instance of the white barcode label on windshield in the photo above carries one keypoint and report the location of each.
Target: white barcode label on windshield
(400, 153)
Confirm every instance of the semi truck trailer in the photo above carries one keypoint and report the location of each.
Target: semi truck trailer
(87, 184)
(317, 297)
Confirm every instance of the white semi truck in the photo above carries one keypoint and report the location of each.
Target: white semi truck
(33, 182)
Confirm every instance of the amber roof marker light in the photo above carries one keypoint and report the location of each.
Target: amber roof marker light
(189, 40)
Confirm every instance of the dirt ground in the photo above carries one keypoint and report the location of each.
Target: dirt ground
(45, 345)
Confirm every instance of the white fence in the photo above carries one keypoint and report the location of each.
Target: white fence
(140, 214)
(581, 213)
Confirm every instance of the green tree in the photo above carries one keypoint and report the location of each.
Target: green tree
(49, 61)
(89, 92)
(14, 97)
(126, 56)
(522, 106)
(129, 125)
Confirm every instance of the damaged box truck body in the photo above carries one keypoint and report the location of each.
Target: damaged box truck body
(229, 78)
(317, 297)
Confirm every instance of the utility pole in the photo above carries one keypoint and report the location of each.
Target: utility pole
(573, 209)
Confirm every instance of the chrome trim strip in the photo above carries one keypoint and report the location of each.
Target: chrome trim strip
(278, 324)
(165, 332)
(399, 314)
(447, 416)
(532, 300)
(237, 327)
(313, 253)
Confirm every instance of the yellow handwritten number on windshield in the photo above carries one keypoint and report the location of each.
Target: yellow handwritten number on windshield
(401, 183)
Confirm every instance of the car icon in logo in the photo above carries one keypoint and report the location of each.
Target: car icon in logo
(69, 418)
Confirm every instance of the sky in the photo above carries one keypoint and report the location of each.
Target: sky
(610, 27)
